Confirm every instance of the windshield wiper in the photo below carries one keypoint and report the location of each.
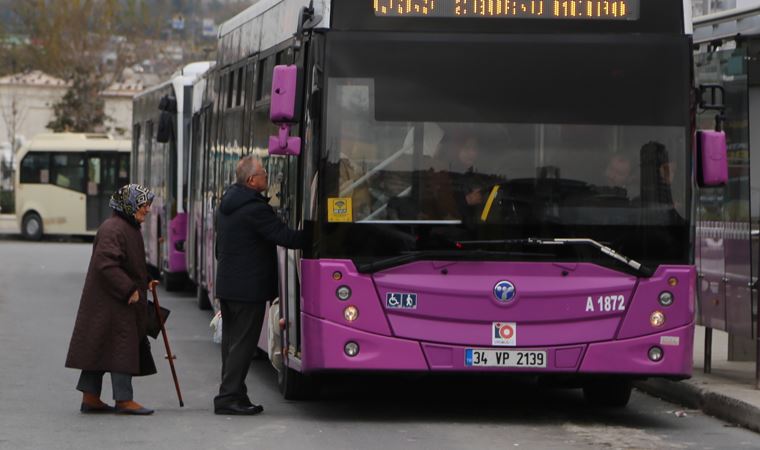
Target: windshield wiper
(647, 272)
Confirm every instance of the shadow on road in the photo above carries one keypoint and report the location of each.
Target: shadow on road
(454, 398)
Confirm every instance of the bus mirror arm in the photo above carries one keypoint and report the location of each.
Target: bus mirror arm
(283, 144)
(307, 20)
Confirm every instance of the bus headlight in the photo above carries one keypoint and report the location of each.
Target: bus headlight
(655, 354)
(351, 313)
(351, 348)
(666, 298)
(657, 319)
(343, 293)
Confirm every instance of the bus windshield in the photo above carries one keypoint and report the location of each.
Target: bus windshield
(446, 160)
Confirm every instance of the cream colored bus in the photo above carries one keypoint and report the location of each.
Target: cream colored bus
(64, 182)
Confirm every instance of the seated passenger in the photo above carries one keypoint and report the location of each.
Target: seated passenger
(454, 189)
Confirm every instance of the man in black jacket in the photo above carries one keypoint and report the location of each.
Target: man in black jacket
(248, 232)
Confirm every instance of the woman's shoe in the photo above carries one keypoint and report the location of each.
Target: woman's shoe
(87, 409)
(133, 408)
(91, 404)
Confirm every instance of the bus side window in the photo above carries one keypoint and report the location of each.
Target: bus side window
(35, 168)
(68, 171)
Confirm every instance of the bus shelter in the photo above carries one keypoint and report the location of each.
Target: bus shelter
(727, 53)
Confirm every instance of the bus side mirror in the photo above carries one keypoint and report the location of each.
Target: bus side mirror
(282, 110)
(712, 158)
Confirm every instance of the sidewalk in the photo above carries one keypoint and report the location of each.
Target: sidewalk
(727, 393)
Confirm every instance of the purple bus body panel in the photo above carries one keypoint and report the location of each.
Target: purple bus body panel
(712, 145)
(284, 82)
(321, 301)
(552, 312)
(479, 333)
(177, 233)
(323, 348)
(636, 322)
(630, 356)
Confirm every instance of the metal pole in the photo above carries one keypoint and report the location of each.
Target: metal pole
(708, 350)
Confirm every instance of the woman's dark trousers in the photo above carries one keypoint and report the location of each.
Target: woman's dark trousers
(91, 382)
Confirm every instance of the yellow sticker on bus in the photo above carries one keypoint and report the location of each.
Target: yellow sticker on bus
(339, 209)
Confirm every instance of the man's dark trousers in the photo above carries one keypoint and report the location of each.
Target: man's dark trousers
(241, 327)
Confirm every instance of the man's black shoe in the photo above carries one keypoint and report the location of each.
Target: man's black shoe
(239, 410)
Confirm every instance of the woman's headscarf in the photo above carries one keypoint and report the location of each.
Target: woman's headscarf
(130, 198)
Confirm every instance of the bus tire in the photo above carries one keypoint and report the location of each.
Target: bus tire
(294, 385)
(202, 296)
(31, 227)
(611, 393)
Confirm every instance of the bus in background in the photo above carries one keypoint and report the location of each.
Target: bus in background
(504, 188)
(200, 237)
(65, 181)
(160, 160)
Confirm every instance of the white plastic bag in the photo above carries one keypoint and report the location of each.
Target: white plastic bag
(216, 325)
(274, 335)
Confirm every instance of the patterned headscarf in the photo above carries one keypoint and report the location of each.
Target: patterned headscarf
(130, 198)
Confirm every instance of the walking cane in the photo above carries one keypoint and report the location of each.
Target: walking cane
(169, 355)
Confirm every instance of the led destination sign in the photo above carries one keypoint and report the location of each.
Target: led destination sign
(516, 9)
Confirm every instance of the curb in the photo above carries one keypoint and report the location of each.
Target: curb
(689, 394)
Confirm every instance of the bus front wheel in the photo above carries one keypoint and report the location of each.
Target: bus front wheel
(31, 227)
(613, 393)
(294, 385)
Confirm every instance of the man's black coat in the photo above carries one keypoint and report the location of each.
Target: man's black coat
(248, 233)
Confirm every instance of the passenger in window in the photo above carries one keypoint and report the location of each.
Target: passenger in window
(455, 189)
(110, 333)
(618, 177)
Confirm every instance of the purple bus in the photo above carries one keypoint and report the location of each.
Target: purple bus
(504, 188)
(160, 159)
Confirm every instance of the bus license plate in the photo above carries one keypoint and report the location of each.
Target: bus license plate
(474, 357)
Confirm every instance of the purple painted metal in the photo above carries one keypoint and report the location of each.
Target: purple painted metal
(560, 314)
(630, 356)
(284, 145)
(320, 300)
(324, 341)
(646, 301)
(177, 233)
(284, 82)
(712, 148)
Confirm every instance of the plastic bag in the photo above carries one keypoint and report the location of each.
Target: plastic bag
(216, 325)
(274, 335)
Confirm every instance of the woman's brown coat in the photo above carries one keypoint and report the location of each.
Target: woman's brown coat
(109, 334)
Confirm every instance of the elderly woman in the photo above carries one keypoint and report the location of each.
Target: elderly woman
(110, 330)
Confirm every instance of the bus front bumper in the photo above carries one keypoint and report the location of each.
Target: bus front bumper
(324, 349)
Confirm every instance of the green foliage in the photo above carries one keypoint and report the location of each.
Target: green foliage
(82, 108)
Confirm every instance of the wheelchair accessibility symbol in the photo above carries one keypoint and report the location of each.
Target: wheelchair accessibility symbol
(397, 300)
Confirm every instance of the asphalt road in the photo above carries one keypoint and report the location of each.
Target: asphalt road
(40, 286)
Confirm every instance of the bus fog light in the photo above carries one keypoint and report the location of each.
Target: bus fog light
(351, 349)
(351, 313)
(657, 319)
(673, 281)
(666, 298)
(655, 354)
(337, 276)
(343, 293)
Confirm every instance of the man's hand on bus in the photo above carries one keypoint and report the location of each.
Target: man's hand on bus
(134, 298)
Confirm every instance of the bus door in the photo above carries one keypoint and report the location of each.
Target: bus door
(106, 172)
